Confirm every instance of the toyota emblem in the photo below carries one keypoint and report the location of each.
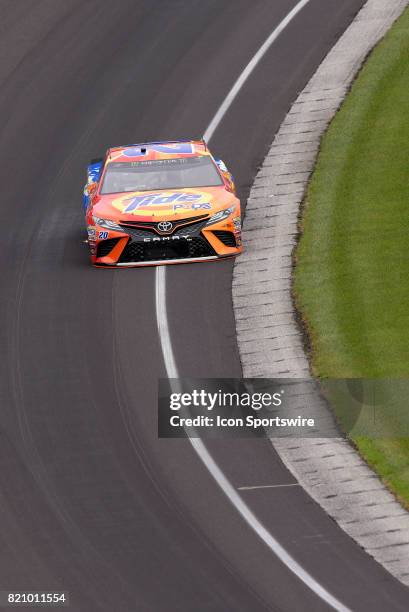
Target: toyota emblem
(165, 226)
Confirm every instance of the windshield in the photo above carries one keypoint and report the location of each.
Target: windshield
(175, 173)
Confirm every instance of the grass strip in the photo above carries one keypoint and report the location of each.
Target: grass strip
(351, 280)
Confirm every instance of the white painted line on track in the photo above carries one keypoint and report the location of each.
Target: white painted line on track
(162, 322)
(229, 99)
(172, 371)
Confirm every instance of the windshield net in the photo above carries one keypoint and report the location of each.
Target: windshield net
(175, 173)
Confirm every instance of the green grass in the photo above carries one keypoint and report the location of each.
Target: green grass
(351, 281)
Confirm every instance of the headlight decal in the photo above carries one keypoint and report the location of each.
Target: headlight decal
(108, 224)
(219, 216)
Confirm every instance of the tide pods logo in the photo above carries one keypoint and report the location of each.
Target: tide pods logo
(161, 201)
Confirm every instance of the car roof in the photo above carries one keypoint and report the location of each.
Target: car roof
(164, 149)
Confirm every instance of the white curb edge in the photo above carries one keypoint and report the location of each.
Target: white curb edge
(269, 340)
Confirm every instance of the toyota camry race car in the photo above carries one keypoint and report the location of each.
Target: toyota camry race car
(160, 203)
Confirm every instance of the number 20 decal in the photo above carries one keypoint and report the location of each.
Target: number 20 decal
(102, 235)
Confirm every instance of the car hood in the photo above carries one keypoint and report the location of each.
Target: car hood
(163, 204)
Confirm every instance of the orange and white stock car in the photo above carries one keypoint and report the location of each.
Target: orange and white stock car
(160, 203)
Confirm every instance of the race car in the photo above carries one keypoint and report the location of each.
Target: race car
(160, 203)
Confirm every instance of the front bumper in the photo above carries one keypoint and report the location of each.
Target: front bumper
(140, 246)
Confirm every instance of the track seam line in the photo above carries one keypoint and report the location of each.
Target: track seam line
(276, 486)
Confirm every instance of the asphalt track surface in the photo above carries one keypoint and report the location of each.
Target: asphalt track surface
(91, 502)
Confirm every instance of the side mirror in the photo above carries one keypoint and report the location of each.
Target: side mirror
(94, 170)
(88, 193)
(91, 189)
(227, 176)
